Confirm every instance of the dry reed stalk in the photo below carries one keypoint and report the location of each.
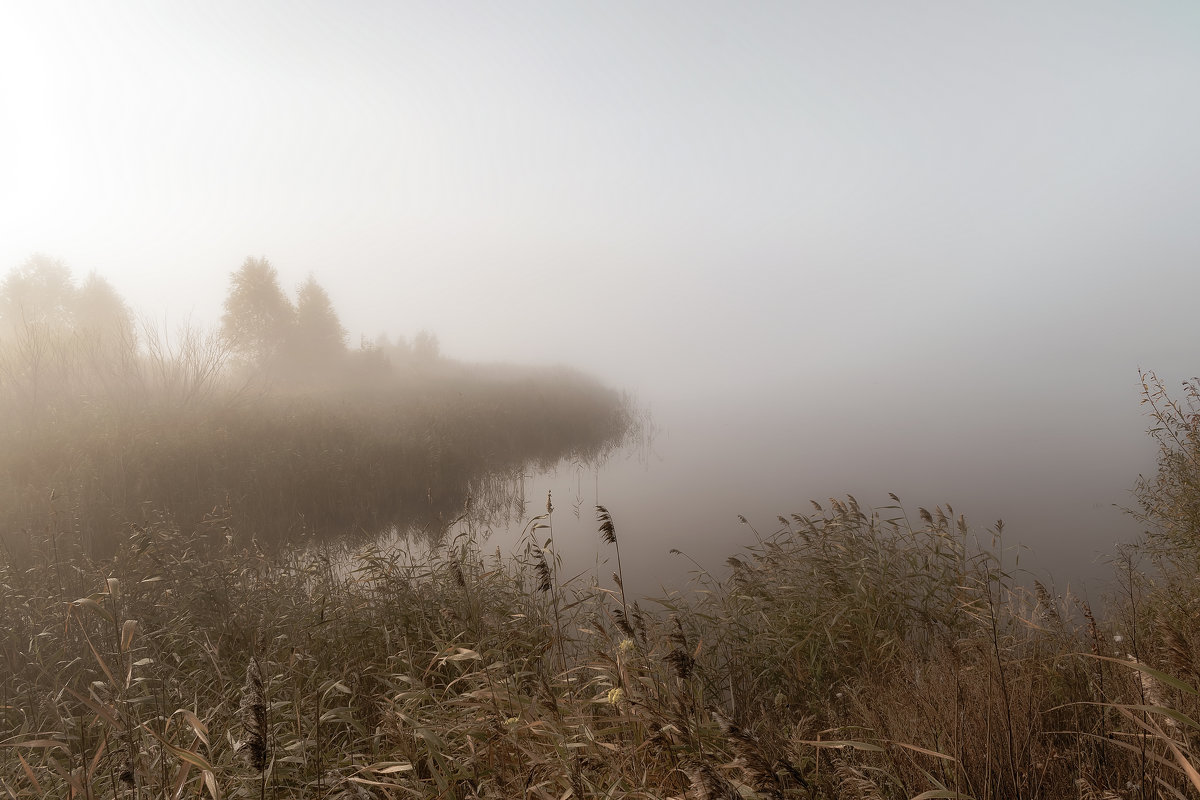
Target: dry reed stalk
(608, 532)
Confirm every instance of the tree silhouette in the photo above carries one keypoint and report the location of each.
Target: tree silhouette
(425, 347)
(318, 339)
(39, 293)
(258, 318)
(102, 315)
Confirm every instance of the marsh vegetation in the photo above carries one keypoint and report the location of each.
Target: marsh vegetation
(159, 639)
(270, 423)
(850, 653)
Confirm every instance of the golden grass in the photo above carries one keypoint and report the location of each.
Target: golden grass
(848, 654)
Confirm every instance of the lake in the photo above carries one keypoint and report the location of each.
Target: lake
(1055, 481)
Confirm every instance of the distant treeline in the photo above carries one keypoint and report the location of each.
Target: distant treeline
(269, 428)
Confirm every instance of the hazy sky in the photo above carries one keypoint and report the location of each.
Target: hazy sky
(960, 219)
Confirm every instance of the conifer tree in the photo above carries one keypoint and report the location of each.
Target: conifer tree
(319, 339)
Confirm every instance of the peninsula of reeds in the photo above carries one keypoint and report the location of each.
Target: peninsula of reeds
(269, 423)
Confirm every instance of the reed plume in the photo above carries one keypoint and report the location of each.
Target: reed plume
(1093, 628)
(681, 663)
(756, 769)
(253, 712)
(680, 658)
(707, 783)
(542, 568)
(1089, 791)
(1175, 643)
(623, 623)
(1047, 607)
(608, 532)
(639, 620)
(853, 784)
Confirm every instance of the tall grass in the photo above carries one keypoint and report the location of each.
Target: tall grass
(851, 653)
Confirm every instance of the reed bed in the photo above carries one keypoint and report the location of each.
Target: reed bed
(851, 653)
(269, 420)
(376, 448)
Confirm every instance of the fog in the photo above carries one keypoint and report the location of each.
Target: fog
(834, 247)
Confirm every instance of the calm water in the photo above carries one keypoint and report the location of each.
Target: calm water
(1053, 483)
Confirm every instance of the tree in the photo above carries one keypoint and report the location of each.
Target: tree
(61, 343)
(425, 347)
(39, 293)
(101, 315)
(258, 317)
(318, 339)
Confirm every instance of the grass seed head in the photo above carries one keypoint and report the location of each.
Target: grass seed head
(608, 531)
(542, 567)
(254, 717)
(707, 783)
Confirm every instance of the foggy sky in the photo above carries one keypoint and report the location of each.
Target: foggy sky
(926, 239)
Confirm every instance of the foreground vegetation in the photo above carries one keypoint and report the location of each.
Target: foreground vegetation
(850, 654)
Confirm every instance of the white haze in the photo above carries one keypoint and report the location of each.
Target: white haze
(838, 247)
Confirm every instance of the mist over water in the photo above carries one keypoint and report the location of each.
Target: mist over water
(834, 248)
(1054, 480)
(310, 313)
(1023, 406)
